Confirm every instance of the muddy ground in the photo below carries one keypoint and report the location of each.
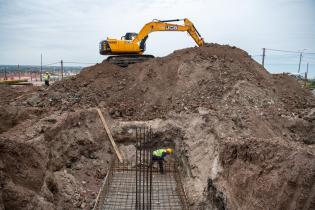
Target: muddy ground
(244, 138)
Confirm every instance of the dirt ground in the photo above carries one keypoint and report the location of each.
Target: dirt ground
(244, 138)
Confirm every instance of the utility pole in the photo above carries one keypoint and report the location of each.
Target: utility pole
(5, 74)
(306, 71)
(300, 62)
(305, 78)
(61, 69)
(263, 57)
(41, 67)
(19, 72)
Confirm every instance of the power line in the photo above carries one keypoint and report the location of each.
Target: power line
(51, 64)
(289, 51)
(73, 62)
(286, 64)
(77, 62)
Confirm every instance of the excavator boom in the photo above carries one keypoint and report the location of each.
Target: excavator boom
(132, 45)
(164, 25)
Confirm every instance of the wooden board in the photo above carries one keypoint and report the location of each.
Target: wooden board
(110, 136)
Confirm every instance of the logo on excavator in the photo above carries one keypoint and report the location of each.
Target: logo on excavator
(171, 28)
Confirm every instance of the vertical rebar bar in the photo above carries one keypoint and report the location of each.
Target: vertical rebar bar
(136, 168)
(150, 134)
(140, 139)
(144, 162)
(142, 168)
(147, 169)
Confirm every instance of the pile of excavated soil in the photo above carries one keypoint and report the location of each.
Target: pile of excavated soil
(244, 137)
(184, 80)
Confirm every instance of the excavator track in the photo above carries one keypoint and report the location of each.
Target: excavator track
(125, 60)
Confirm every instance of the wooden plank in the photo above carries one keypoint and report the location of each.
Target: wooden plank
(110, 136)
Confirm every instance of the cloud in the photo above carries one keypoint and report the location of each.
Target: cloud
(73, 29)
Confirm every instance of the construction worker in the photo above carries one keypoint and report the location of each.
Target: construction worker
(159, 155)
(46, 78)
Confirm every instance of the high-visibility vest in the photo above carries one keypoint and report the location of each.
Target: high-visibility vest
(46, 77)
(159, 152)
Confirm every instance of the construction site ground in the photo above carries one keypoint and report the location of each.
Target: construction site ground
(243, 138)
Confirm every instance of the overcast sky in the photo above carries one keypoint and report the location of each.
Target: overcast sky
(71, 30)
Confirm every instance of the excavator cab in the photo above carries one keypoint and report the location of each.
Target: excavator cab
(129, 36)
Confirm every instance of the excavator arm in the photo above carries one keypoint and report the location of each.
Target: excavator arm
(164, 25)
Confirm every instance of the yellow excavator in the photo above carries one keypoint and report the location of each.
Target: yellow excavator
(130, 48)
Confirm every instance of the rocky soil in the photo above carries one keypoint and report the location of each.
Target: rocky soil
(244, 138)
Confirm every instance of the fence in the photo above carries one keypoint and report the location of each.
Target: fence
(34, 73)
(20, 75)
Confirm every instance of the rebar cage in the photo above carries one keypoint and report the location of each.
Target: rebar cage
(139, 185)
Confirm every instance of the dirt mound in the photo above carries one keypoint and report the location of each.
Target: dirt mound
(216, 77)
(235, 127)
(184, 80)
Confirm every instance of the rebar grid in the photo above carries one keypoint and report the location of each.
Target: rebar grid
(180, 190)
(105, 186)
(122, 190)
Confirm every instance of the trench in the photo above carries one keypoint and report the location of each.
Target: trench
(166, 134)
